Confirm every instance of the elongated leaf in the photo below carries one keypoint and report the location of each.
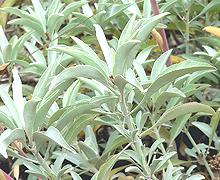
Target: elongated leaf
(11, 107)
(168, 5)
(72, 7)
(124, 56)
(180, 110)
(147, 9)
(160, 65)
(144, 32)
(104, 46)
(43, 84)
(3, 39)
(167, 95)
(106, 167)
(171, 73)
(54, 22)
(52, 134)
(154, 147)
(75, 176)
(178, 126)
(43, 109)
(214, 124)
(127, 32)
(8, 137)
(175, 71)
(78, 125)
(164, 159)
(85, 71)
(86, 57)
(214, 4)
(17, 95)
(183, 109)
(82, 108)
(39, 11)
(37, 55)
(7, 120)
(30, 116)
(69, 97)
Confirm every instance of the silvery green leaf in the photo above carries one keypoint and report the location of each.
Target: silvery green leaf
(16, 46)
(7, 53)
(175, 71)
(39, 11)
(214, 125)
(154, 147)
(160, 65)
(141, 120)
(144, 31)
(124, 56)
(52, 134)
(84, 54)
(46, 103)
(85, 71)
(114, 10)
(120, 82)
(107, 166)
(69, 97)
(131, 78)
(3, 39)
(147, 9)
(140, 71)
(30, 116)
(127, 31)
(168, 5)
(104, 46)
(75, 176)
(190, 170)
(169, 172)
(9, 103)
(54, 22)
(54, 7)
(133, 169)
(7, 120)
(167, 95)
(143, 55)
(115, 140)
(164, 159)
(8, 137)
(57, 166)
(94, 85)
(35, 170)
(68, 113)
(177, 126)
(17, 95)
(183, 109)
(37, 55)
(90, 153)
(87, 10)
(70, 8)
(43, 84)
(90, 139)
(195, 177)
(78, 125)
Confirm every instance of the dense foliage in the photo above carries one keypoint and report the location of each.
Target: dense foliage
(112, 89)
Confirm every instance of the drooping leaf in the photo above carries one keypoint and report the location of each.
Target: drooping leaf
(52, 134)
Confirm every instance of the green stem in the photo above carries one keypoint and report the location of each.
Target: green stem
(187, 30)
(208, 168)
(137, 140)
(199, 153)
(45, 166)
